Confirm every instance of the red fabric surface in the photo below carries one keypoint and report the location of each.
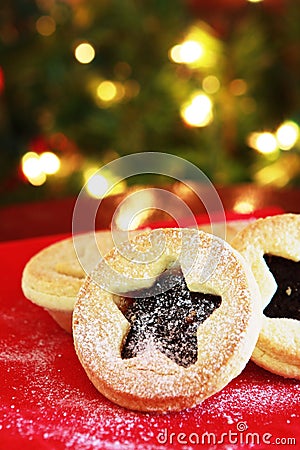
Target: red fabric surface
(47, 401)
(36, 219)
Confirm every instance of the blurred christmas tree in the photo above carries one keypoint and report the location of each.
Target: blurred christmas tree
(85, 81)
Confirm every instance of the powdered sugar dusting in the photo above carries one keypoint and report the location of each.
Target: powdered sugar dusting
(47, 398)
(47, 402)
(54, 408)
(149, 380)
(168, 319)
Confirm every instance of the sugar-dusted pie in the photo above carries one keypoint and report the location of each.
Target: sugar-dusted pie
(53, 276)
(272, 248)
(167, 319)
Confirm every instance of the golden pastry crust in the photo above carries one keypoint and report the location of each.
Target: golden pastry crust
(53, 277)
(277, 235)
(151, 381)
(278, 346)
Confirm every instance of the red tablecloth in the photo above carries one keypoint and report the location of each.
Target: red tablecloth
(47, 401)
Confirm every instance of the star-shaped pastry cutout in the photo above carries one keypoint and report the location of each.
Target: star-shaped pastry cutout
(169, 320)
(286, 300)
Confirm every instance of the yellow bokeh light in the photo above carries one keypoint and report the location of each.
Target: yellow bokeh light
(264, 142)
(135, 210)
(97, 186)
(174, 54)
(287, 135)
(88, 173)
(45, 25)
(84, 53)
(210, 47)
(38, 180)
(36, 167)
(187, 52)
(29, 155)
(255, 1)
(211, 84)
(200, 48)
(280, 172)
(31, 165)
(107, 91)
(50, 163)
(32, 169)
(198, 113)
(191, 51)
(243, 207)
(272, 175)
(126, 219)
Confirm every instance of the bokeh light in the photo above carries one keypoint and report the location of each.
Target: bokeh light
(287, 135)
(106, 91)
(32, 169)
(243, 206)
(84, 53)
(211, 84)
(238, 87)
(45, 25)
(187, 52)
(36, 167)
(198, 113)
(50, 163)
(264, 142)
(31, 165)
(200, 48)
(38, 180)
(97, 186)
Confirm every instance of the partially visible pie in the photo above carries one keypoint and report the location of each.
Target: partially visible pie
(272, 248)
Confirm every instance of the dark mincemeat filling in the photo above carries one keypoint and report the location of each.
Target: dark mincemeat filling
(169, 319)
(286, 300)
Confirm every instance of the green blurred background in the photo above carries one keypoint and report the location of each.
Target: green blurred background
(83, 82)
